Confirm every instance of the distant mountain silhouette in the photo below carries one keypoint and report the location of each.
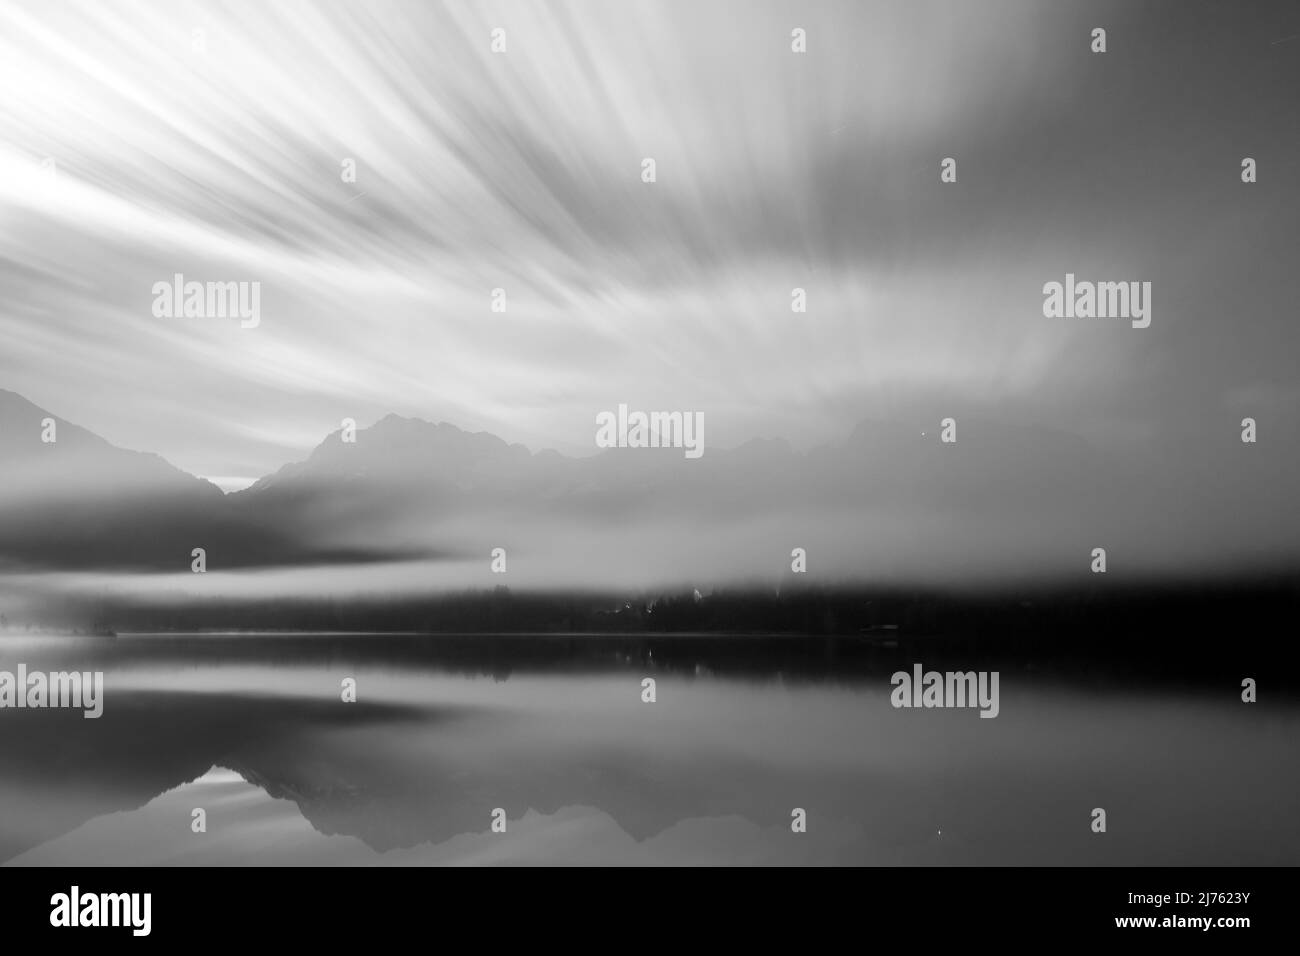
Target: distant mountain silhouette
(438, 492)
(80, 502)
(889, 499)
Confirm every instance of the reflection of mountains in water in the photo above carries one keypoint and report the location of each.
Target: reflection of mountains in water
(419, 784)
(407, 771)
(256, 829)
(339, 786)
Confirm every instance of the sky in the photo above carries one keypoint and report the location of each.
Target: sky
(210, 139)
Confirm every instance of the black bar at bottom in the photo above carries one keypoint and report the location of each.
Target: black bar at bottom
(338, 906)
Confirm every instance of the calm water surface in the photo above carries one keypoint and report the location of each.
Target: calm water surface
(252, 729)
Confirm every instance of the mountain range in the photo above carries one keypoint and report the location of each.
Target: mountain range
(891, 498)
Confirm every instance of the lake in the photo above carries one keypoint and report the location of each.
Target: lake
(252, 730)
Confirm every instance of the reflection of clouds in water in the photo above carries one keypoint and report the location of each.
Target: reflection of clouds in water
(803, 727)
(709, 773)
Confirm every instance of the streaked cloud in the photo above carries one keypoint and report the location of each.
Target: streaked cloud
(521, 171)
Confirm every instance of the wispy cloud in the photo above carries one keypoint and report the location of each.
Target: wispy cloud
(207, 139)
